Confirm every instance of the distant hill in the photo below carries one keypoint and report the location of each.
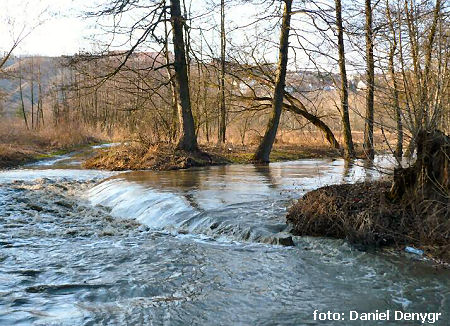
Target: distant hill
(27, 69)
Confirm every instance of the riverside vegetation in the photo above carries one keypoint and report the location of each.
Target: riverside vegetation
(19, 146)
(413, 208)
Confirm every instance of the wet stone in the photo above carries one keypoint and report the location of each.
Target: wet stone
(286, 241)
(64, 204)
(35, 207)
(215, 225)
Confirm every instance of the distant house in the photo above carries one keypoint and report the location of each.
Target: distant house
(290, 89)
(361, 85)
(352, 85)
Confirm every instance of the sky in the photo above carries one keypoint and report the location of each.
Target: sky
(55, 27)
(58, 27)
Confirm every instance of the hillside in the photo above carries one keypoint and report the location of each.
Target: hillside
(29, 71)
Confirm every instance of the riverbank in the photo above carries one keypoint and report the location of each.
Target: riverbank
(19, 146)
(362, 214)
(135, 156)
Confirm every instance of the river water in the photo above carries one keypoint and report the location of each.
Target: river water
(193, 247)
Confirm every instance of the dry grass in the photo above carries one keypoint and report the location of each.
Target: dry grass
(307, 143)
(316, 139)
(280, 152)
(11, 156)
(19, 145)
(363, 215)
(136, 156)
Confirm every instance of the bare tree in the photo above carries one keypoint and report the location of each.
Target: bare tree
(349, 151)
(223, 113)
(147, 29)
(395, 90)
(22, 103)
(370, 81)
(265, 147)
(188, 137)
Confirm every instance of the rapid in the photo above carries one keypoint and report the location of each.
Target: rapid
(203, 246)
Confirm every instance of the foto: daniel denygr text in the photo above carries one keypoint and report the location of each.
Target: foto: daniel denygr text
(385, 315)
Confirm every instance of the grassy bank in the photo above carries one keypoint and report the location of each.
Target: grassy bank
(362, 214)
(136, 156)
(280, 152)
(19, 145)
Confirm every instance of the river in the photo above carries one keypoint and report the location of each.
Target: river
(192, 247)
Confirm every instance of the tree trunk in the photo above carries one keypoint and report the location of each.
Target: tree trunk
(425, 100)
(395, 92)
(370, 80)
(317, 122)
(187, 38)
(414, 49)
(265, 147)
(429, 177)
(349, 151)
(174, 102)
(22, 104)
(205, 107)
(32, 102)
(297, 107)
(187, 137)
(222, 120)
(398, 113)
(40, 111)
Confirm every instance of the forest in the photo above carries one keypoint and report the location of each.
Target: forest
(357, 78)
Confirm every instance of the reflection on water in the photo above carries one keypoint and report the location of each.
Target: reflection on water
(71, 253)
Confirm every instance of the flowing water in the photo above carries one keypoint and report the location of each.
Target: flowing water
(194, 247)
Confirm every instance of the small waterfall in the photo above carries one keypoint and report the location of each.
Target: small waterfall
(157, 210)
(183, 213)
(236, 202)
